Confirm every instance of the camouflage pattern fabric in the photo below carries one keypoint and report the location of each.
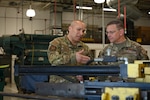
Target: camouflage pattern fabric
(62, 52)
(129, 49)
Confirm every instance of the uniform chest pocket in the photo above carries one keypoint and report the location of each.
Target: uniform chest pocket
(64, 49)
(128, 53)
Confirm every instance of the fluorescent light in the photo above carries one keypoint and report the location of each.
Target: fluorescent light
(109, 9)
(99, 1)
(82, 7)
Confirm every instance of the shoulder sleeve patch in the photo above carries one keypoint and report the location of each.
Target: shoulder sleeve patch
(52, 48)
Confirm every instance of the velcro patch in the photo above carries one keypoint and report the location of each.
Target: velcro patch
(52, 48)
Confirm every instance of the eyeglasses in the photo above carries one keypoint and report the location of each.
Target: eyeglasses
(110, 32)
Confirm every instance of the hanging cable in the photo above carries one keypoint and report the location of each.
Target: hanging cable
(125, 25)
(119, 9)
(103, 27)
(55, 17)
(74, 9)
(45, 26)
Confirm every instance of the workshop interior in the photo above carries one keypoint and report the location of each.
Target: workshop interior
(27, 27)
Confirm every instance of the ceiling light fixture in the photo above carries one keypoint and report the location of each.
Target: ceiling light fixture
(30, 12)
(109, 9)
(82, 7)
(149, 12)
(99, 1)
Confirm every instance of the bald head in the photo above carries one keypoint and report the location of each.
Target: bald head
(75, 22)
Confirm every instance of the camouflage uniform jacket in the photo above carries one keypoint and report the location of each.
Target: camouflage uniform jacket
(62, 52)
(129, 49)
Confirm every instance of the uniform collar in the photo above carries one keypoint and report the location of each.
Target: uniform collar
(128, 42)
(70, 44)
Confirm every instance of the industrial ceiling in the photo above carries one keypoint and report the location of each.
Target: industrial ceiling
(137, 8)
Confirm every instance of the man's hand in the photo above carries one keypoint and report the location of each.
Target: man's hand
(82, 58)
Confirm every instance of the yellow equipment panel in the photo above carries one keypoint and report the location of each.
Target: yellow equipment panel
(120, 93)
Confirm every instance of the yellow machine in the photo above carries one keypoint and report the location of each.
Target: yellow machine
(120, 93)
(139, 71)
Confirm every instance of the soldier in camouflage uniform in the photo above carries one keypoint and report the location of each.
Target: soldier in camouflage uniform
(69, 50)
(120, 45)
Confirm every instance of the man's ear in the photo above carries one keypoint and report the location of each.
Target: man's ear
(121, 31)
(69, 28)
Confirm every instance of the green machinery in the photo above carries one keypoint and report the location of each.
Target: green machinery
(30, 49)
